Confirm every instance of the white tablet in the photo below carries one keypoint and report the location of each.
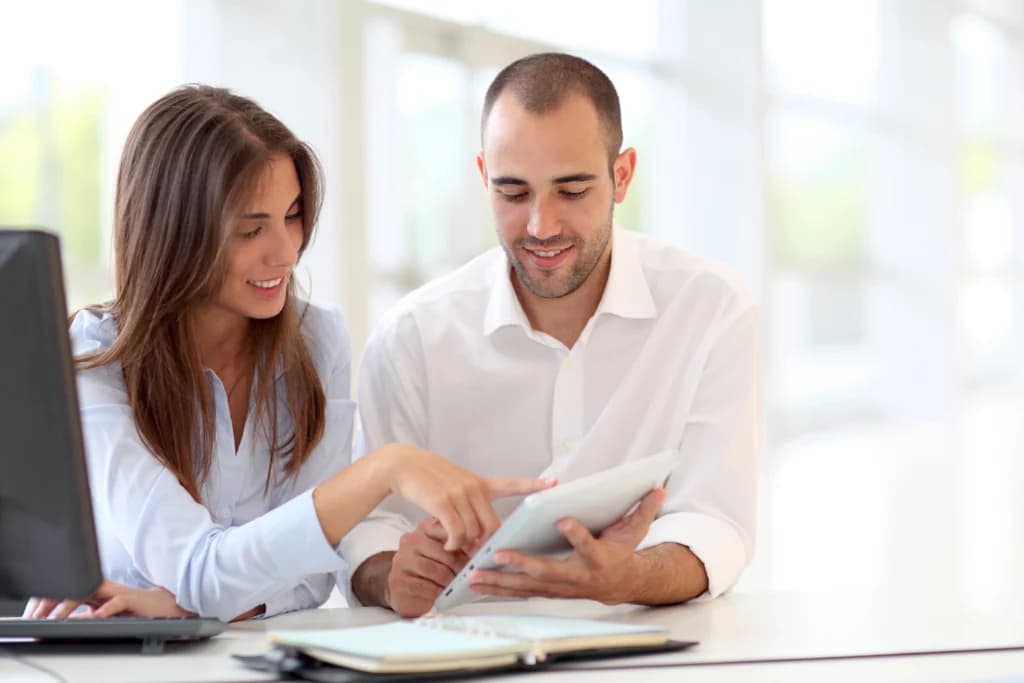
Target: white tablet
(597, 501)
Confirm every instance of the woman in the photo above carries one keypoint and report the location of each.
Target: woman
(215, 404)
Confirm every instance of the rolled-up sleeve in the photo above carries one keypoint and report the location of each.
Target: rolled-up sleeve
(380, 532)
(391, 410)
(711, 502)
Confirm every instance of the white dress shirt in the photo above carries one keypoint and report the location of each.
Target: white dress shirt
(242, 546)
(669, 360)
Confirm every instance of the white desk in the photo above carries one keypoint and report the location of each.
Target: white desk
(746, 629)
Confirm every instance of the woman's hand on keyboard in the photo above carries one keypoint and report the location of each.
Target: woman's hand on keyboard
(110, 600)
(113, 599)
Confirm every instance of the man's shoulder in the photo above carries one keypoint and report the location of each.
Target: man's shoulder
(674, 272)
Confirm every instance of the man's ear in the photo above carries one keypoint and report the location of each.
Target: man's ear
(482, 167)
(623, 169)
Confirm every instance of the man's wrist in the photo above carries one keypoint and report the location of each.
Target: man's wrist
(370, 580)
(634, 577)
(666, 574)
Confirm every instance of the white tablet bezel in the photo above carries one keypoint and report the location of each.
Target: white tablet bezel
(597, 501)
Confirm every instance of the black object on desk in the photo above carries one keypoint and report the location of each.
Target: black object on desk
(152, 633)
(47, 538)
(47, 541)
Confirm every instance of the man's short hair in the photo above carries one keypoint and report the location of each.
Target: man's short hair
(541, 83)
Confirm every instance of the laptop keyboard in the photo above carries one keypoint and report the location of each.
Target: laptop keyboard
(153, 632)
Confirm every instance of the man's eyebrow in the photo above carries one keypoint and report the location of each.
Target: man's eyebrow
(508, 180)
(574, 178)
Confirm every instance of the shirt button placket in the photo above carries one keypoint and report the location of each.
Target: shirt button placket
(223, 456)
(567, 406)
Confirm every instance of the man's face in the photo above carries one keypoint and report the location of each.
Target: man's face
(551, 190)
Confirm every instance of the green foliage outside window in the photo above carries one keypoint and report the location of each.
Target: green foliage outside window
(979, 164)
(822, 220)
(50, 174)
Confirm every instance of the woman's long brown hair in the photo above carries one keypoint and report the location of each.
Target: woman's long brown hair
(191, 161)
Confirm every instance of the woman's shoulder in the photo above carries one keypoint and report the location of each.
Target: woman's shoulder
(93, 331)
(326, 334)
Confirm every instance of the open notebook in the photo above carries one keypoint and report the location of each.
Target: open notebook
(450, 644)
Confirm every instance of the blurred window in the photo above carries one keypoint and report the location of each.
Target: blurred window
(64, 113)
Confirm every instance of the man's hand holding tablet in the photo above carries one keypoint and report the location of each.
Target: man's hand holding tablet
(526, 557)
(597, 569)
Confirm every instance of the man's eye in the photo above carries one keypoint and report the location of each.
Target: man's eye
(573, 195)
(513, 197)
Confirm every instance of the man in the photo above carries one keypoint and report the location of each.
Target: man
(573, 348)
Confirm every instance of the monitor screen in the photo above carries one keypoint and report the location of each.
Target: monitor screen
(47, 539)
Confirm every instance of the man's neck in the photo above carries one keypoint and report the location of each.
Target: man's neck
(565, 317)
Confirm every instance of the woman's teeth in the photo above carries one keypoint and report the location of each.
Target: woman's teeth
(266, 284)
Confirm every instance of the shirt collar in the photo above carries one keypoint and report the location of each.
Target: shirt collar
(626, 293)
(503, 307)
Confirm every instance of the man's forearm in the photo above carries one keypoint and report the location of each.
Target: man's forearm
(370, 580)
(668, 573)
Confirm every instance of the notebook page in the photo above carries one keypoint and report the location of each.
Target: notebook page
(539, 629)
(400, 641)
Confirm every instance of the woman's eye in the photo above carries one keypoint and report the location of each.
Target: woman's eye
(249, 234)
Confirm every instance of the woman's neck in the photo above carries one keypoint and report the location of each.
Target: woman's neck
(222, 337)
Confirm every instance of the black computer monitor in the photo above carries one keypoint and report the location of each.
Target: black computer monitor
(47, 538)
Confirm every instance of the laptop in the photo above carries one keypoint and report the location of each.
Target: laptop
(47, 534)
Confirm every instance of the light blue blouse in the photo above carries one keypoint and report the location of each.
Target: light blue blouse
(243, 546)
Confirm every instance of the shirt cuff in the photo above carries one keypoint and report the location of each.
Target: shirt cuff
(281, 604)
(296, 540)
(312, 592)
(364, 541)
(716, 544)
